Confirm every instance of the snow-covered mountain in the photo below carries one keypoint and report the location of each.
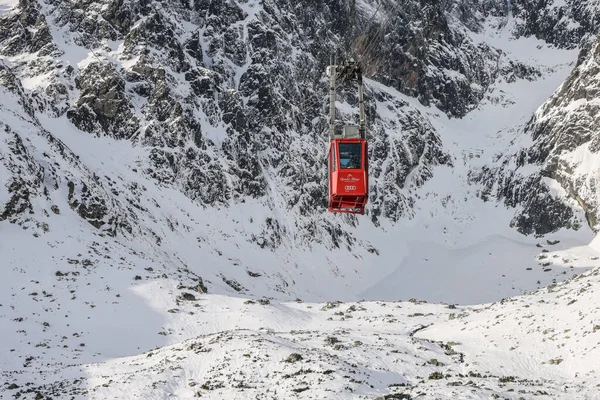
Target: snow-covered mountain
(555, 169)
(161, 163)
(199, 85)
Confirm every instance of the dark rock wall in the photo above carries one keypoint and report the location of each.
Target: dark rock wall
(224, 94)
(40, 164)
(562, 23)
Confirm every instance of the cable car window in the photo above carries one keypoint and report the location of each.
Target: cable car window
(334, 158)
(350, 155)
(367, 158)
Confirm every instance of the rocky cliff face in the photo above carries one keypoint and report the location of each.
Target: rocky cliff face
(224, 94)
(229, 97)
(562, 23)
(556, 175)
(38, 165)
(424, 51)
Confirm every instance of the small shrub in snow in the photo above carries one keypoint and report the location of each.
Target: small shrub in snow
(436, 375)
(294, 357)
(435, 362)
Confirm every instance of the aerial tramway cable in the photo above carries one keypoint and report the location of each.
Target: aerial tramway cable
(348, 180)
(371, 42)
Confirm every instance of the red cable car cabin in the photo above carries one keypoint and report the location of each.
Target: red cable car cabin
(348, 155)
(348, 175)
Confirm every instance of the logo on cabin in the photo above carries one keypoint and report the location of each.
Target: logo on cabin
(349, 188)
(349, 178)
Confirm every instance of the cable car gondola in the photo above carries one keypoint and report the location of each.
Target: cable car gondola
(348, 160)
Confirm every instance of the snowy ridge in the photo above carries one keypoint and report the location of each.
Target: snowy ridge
(551, 333)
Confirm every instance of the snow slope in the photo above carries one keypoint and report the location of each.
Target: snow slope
(456, 238)
(537, 346)
(552, 333)
(7, 5)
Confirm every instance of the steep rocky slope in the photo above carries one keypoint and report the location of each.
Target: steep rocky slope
(37, 166)
(200, 84)
(555, 174)
(562, 23)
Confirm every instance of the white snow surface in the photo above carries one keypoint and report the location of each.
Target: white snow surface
(596, 243)
(7, 5)
(86, 315)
